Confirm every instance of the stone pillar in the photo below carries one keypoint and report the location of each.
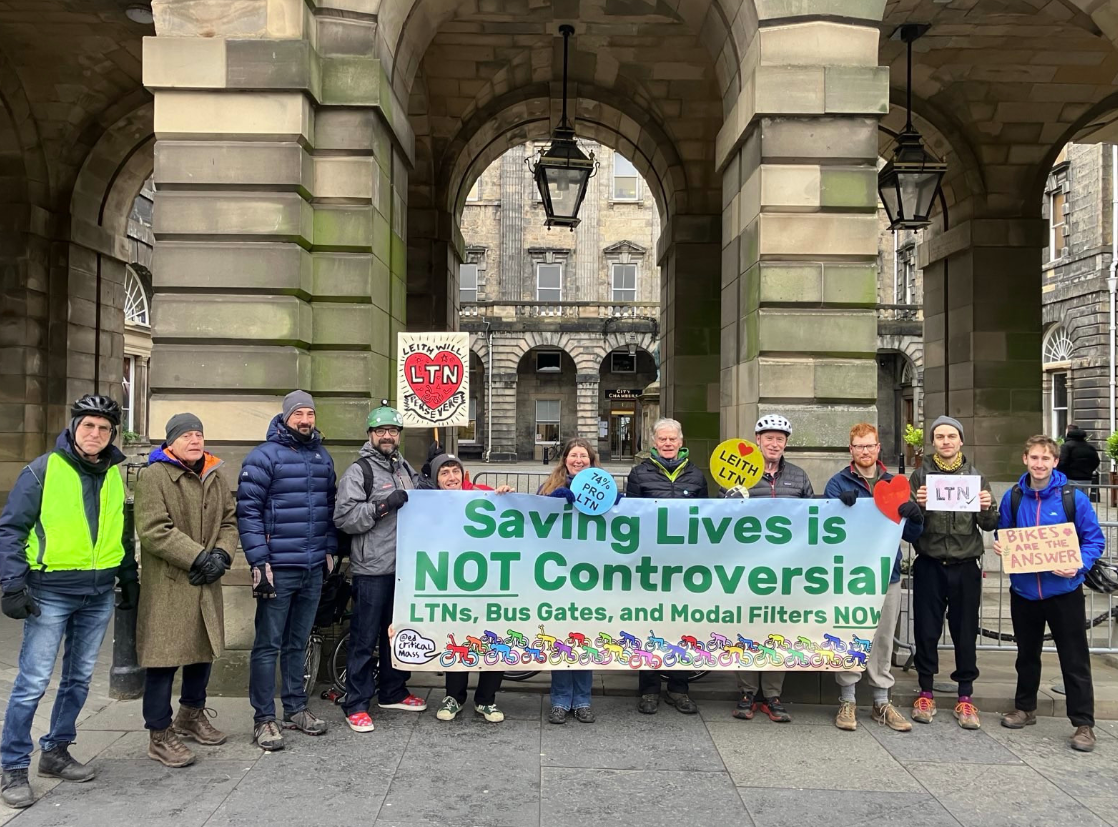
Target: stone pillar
(276, 268)
(689, 255)
(798, 157)
(982, 350)
(586, 390)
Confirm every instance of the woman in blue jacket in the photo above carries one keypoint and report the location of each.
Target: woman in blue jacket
(1052, 597)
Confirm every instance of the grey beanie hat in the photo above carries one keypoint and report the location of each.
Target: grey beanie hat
(294, 401)
(441, 460)
(180, 424)
(947, 420)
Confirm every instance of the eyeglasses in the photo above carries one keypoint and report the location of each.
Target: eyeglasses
(386, 431)
(865, 449)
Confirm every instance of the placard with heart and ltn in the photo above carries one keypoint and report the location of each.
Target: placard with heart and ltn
(433, 383)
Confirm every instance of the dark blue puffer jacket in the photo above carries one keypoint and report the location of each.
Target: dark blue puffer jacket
(285, 501)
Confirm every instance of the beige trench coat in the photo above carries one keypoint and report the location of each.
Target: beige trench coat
(178, 515)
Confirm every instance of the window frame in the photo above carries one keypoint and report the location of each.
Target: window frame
(462, 290)
(558, 354)
(1059, 415)
(1057, 223)
(613, 361)
(128, 383)
(557, 421)
(635, 175)
(472, 416)
(539, 266)
(613, 273)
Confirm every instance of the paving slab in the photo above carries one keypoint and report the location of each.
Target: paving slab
(812, 757)
(795, 808)
(721, 711)
(624, 739)
(999, 795)
(949, 743)
(581, 797)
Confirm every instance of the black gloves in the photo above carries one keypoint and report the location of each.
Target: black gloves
(129, 595)
(911, 511)
(565, 493)
(848, 497)
(262, 587)
(19, 605)
(209, 566)
(390, 503)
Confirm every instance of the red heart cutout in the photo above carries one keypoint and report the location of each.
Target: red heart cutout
(434, 379)
(891, 495)
(745, 450)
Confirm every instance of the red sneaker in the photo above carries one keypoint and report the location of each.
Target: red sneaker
(360, 722)
(409, 704)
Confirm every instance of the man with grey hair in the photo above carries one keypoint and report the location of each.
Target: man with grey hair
(667, 474)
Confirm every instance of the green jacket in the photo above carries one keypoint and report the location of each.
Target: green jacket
(952, 535)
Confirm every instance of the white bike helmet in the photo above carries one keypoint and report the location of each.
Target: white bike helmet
(773, 422)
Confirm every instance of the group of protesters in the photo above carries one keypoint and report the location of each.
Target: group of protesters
(64, 550)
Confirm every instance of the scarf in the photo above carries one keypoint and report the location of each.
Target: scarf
(953, 465)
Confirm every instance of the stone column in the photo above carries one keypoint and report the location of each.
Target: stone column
(586, 394)
(982, 350)
(798, 156)
(503, 411)
(689, 354)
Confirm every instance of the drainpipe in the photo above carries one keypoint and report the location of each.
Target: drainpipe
(489, 393)
(1112, 281)
(896, 288)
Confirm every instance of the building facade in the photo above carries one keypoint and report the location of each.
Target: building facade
(564, 324)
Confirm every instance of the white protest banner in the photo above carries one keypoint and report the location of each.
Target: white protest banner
(487, 581)
(1040, 548)
(433, 384)
(953, 492)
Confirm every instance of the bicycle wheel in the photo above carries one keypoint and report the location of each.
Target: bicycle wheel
(520, 676)
(687, 676)
(312, 657)
(338, 662)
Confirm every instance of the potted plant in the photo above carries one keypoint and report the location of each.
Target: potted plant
(914, 439)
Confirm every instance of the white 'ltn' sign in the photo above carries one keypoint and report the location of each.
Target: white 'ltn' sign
(953, 492)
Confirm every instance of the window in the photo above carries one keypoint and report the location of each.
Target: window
(469, 433)
(548, 361)
(624, 282)
(1057, 224)
(1058, 346)
(135, 300)
(475, 191)
(621, 361)
(467, 283)
(626, 182)
(1059, 404)
(129, 407)
(547, 420)
(549, 282)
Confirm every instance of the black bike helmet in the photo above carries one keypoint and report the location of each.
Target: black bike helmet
(96, 405)
(1102, 577)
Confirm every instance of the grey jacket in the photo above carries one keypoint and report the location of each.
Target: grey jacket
(790, 482)
(373, 550)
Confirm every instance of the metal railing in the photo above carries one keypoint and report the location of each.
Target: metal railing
(527, 482)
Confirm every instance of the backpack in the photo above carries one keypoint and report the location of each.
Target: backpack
(345, 541)
(1067, 494)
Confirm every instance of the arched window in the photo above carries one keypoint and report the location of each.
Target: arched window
(1057, 349)
(135, 300)
(1058, 346)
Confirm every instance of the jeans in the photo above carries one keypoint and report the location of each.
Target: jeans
(570, 688)
(283, 626)
(1064, 616)
(956, 589)
(81, 620)
(157, 692)
(368, 628)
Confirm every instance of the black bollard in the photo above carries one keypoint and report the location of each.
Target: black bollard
(126, 677)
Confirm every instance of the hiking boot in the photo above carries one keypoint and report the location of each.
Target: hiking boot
(191, 722)
(15, 790)
(1083, 740)
(846, 718)
(583, 715)
(558, 715)
(966, 713)
(923, 709)
(887, 714)
(1019, 719)
(490, 713)
(682, 702)
(305, 721)
(360, 722)
(165, 747)
(648, 704)
(267, 736)
(412, 703)
(448, 709)
(59, 763)
(745, 707)
(775, 710)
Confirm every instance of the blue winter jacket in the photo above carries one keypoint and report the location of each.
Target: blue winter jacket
(285, 501)
(1047, 508)
(850, 480)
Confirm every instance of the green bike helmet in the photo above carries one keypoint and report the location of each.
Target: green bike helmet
(384, 416)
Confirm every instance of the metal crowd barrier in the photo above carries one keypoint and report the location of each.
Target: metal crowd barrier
(526, 482)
